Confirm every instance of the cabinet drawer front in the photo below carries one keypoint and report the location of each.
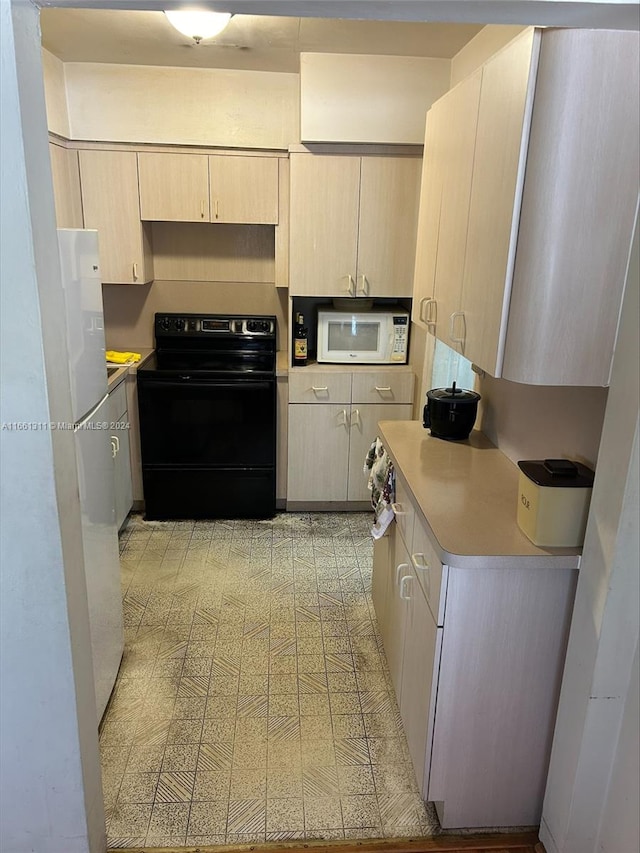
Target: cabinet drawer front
(118, 402)
(404, 511)
(429, 570)
(383, 386)
(319, 387)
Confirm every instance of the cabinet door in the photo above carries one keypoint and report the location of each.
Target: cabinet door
(429, 218)
(389, 195)
(120, 450)
(506, 101)
(174, 187)
(380, 581)
(318, 452)
(459, 116)
(243, 189)
(109, 183)
(417, 703)
(66, 186)
(363, 429)
(397, 613)
(324, 225)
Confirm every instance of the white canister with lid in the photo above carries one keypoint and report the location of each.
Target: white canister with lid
(553, 501)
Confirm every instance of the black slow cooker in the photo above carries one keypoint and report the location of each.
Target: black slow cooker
(450, 413)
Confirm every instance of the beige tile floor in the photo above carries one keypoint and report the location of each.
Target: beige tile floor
(254, 701)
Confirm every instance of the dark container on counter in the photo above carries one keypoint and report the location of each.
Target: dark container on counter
(450, 413)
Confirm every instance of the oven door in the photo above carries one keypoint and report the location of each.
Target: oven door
(208, 447)
(192, 422)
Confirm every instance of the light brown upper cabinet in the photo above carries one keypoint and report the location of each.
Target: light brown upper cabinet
(552, 186)
(109, 184)
(454, 127)
(65, 174)
(174, 187)
(243, 189)
(353, 225)
(208, 188)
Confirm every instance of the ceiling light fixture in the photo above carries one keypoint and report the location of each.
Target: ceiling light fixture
(198, 24)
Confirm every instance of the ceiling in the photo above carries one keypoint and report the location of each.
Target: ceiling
(250, 42)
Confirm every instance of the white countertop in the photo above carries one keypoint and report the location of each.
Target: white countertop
(467, 493)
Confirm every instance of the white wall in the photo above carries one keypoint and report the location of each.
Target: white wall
(55, 94)
(483, 45)
(184, 106)
(51, 798)
(598, 683)
(359, 98)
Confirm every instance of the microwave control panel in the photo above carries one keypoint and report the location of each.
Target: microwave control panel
(400, 335)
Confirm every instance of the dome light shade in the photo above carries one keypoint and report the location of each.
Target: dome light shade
(198, 25)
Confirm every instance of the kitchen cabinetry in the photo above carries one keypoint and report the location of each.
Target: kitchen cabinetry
(119, 424)
(531, 265)
(475, 643)
(244, 189)
(109, 184)
(174, 187)
(451, 128)
(208, 188)
(340, 207)
(332, 422)
(66, 186)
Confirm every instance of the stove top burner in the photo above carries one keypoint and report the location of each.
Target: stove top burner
(213, 344)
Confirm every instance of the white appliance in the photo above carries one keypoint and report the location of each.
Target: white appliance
(88, 374)
(369, 337)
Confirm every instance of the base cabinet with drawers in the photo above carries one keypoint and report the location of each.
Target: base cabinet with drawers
(476, 658)
(333, 418)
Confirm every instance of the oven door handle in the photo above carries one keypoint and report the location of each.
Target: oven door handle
(186, 381)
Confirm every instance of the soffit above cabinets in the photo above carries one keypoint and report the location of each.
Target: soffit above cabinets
(249, 42)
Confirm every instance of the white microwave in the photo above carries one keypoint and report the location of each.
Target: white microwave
(367, 337)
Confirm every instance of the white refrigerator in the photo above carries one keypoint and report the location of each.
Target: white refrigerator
(96, 484)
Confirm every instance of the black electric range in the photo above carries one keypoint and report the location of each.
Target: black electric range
(207, 406)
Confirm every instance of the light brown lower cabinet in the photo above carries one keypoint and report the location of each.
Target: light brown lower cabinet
(120, 450)
(476, 658)
(332, 426)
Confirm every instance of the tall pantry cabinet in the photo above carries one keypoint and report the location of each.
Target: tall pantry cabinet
(550, 167)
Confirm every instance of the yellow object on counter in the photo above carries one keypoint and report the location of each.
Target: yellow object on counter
(122, 357)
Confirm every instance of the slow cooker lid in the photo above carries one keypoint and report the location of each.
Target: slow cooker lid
(453, 394)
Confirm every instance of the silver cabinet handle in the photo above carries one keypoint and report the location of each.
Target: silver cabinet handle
(452, 324)
(343, 415)
(114, 446)
(351, 285)
(399, 568)
(318, 388)
(419, 562)
(426, 305)
(365, 285)
(381, 388)
(355, 417)
(403, 595)
(135, 271)
(397, 509)
(421, 565)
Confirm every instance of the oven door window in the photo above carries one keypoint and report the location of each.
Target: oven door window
(202, 424)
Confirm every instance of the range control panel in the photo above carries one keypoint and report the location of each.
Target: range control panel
(214, 324)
